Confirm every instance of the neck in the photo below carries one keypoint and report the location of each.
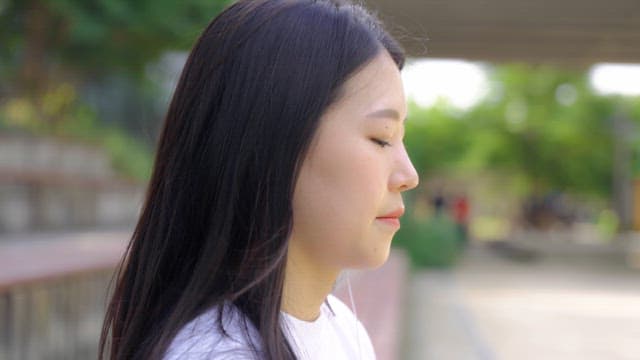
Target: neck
(306, 285)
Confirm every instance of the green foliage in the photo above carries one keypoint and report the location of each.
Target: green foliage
(99, 36)
(72, 120)
(50, 48)
(548, 127)
(432, 242)
(435, 138)
(129, 156)
(608, 223)
(540, 125)
(540, 128)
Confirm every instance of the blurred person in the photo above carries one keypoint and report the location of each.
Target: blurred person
(439, 203)
(460, 209)
(280, 164)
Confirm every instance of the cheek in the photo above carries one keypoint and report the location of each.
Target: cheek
(349, 177)
(338, 194)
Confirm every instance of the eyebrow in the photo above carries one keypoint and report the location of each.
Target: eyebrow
(385, 113)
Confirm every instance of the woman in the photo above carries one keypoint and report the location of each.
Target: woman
(280, 164)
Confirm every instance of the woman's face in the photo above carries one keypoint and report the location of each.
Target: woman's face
(348, 194)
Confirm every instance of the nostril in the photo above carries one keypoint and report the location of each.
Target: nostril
(412, 183)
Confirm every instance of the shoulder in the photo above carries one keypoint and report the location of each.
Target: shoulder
(203, 338)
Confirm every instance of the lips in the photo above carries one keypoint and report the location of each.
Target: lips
(393, 215)
(392, 218)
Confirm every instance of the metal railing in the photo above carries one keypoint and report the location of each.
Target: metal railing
(53, 291)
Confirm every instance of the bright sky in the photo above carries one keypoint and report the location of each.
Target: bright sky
(464, 83)
(619, 79)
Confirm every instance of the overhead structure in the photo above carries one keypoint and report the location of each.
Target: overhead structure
(577, 32)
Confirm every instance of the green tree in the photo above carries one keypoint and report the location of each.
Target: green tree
(546, 126)
(436, 138)
(45, 41)
(540, 124)
(52, 48)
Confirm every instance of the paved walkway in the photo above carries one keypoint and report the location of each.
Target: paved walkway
(553, 308)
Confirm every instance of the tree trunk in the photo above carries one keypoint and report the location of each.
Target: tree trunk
(34, 75)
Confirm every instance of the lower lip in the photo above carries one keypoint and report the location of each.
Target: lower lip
(395, 222)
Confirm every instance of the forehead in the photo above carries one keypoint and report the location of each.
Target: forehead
(376, 85)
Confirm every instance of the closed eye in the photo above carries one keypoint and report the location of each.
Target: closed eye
(381, 143)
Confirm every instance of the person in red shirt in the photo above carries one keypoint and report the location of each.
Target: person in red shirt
(460, 209)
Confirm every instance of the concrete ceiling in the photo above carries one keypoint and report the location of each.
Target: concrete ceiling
(576, 32)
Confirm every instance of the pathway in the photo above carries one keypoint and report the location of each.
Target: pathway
(553, 308)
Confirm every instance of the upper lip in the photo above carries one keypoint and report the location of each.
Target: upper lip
(394, 214)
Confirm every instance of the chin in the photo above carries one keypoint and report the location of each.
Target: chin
(375, 258)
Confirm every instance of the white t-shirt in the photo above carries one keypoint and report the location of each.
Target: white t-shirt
(333, 335)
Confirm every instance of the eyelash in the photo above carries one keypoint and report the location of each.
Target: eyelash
(381, 143)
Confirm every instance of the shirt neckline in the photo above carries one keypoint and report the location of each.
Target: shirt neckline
(318, 320)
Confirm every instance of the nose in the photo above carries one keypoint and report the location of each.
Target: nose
(404, 176)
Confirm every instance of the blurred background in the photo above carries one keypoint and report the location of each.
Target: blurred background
(521, 241)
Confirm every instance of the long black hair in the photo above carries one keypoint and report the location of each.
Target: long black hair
(217, 216)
